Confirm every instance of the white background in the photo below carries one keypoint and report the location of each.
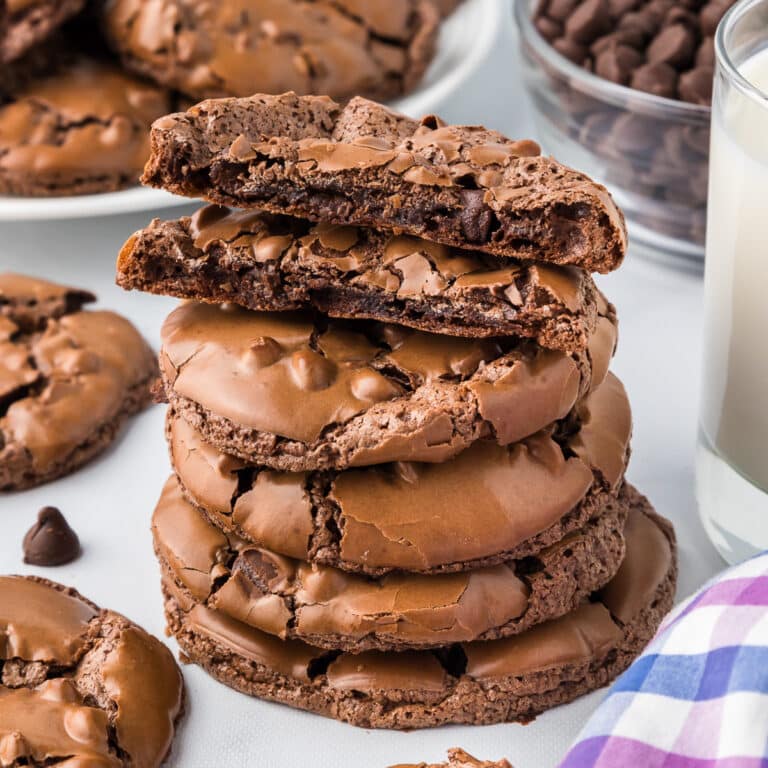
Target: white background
(109, 503)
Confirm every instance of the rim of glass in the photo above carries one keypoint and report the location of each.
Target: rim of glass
(591, 83)
(724, 60)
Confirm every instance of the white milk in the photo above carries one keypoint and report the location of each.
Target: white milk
(732, 471)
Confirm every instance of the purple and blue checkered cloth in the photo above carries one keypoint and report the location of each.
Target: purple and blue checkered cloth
(698, 696)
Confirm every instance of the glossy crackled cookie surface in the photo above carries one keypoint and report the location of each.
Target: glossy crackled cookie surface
(295, 392)
(485, 682)
(69, 378)
(331, 609)
(271, 263)
(365, 165)
(240, 47)
(81, 685)
(489, 504)
(26, 23)
(81, 128)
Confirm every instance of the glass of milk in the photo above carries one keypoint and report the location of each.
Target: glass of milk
(732, 454)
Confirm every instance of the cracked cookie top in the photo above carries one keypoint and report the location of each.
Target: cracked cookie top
(81, 128)
(236, 48)
(614, 621)
(359, 393)
(80, 684)
(24, 24)
(485, 503)
(67, 377)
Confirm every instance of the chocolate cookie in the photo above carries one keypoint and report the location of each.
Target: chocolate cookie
(485, 682)
(81, 685)
(236, 48)
(332, 609)
(296, 392)
(69, 378)
(269, 263)
(458, 758)
(364, 165)
(25, 23)
(36, 62)
(488, 505)
(79, 130)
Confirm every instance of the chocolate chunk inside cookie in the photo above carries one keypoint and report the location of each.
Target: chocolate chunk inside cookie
(266, 262)
(364, 165)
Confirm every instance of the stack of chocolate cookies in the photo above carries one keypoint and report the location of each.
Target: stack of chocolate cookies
(398, 494)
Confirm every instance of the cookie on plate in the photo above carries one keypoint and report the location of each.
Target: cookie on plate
(240, 47)
(488, 505)
(69, 379)
(80, 129)
(27, 23)
(513, 679)
(331, 609)
(296, 392)
(81, 685)
(273, 263)
(362, 164)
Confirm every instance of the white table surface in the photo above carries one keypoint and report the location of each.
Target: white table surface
(109, 502)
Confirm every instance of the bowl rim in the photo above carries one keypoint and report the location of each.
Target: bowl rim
(596, 86)
(724, 61)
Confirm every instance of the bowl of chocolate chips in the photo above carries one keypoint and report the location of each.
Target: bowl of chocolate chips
(622, 89)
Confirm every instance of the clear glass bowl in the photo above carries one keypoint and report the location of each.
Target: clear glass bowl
(651, 152)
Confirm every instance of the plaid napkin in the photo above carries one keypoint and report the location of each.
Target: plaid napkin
(698, 696)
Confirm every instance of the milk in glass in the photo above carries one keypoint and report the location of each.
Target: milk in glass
(732, 460)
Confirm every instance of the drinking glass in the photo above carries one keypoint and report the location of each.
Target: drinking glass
(732, 453)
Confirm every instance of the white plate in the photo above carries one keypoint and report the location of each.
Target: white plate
(465, 39)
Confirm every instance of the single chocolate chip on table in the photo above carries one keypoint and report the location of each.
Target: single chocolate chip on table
(50, 541)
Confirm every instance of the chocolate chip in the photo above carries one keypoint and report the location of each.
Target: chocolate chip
(617, 62)
(476, 217)
(548, 28)
(588, 21)
(595, 128)
(642, 24)
(560, 10)
(659, 79)
(571, 50)
(50, 541)
(674, 45)
(631, 37)
(705, 56)
(711, 14)
(680, 15)
(311, 371)
(696, 86)
(619, 7)
(634, 134)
